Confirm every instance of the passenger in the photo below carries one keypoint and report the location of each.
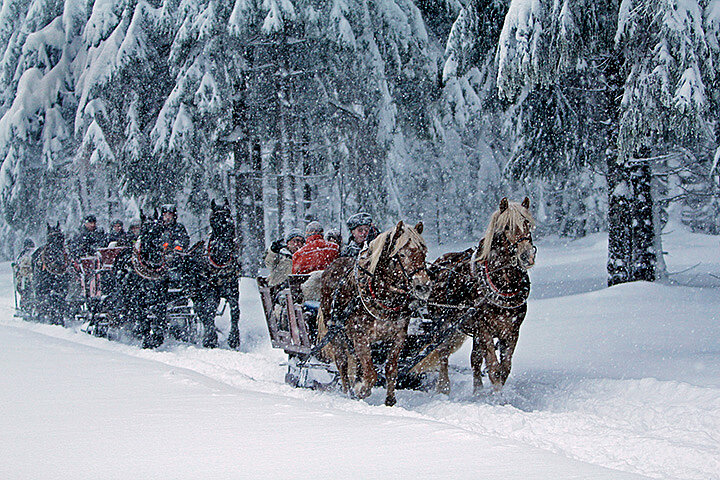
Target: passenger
(89, 239)
(134, 232)
(278, 258)
(334, 235)
(118, 234)
(175, 236)
(361, 230)
(23, 273)
(316, 254)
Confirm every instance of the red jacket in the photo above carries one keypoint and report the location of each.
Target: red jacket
(316, 254)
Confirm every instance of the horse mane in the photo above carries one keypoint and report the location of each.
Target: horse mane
(513, 217)
(376, 247)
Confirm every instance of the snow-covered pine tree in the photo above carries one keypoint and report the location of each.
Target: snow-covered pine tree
(643, 52)
(36, 128)
(461, 161)
(664, 106)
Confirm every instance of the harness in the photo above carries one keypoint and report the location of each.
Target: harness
(215, 264)
(148, 272)
(46, 266)
(487, 289)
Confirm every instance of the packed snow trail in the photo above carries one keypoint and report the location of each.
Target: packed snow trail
(626, 378)
(76, 411)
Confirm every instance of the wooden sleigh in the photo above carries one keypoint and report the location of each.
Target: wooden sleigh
(293, 328)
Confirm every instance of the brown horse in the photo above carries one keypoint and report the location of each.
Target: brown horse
(369, 300)
(483, 291)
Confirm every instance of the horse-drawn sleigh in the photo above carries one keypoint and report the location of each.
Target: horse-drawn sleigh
(144, 289)
(390, 308)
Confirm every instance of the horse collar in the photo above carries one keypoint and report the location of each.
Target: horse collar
(379, 302)
(213, 262)
(145, 271)
(491, 293)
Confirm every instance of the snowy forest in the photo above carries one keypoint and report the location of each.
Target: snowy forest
(604, 112)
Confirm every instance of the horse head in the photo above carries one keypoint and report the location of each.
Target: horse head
(55, 237)
(403, 256)
(54, 257)
(221, 246)
(509, 234)
(221, 221)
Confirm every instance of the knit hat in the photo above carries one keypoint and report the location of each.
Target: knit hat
(334, 235)
(90, 218)
(168, 207)
(359, 219)
(294, 233)
(313, 228)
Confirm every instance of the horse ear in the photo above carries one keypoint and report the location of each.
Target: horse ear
(398, 231)
(57, 225)
(227, 204)
(503, 204)
(526, 203)
(419, 228)
(142, 217)
(156, 214)
(213, 205)
(48, 226)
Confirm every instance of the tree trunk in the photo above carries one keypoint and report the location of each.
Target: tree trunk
(644, 258)
(248, 187)
(619, 224)
(631, 236)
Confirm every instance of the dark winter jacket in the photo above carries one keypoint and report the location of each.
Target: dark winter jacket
(174, 235)
(352, 249)
(87, 242)
(121, 238)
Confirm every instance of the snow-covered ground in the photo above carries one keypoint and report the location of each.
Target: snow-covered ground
(607, 383)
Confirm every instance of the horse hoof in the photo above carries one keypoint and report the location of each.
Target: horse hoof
(362, 392)
(389, 402)
(234, 339)
(153, 340)
(210, 342)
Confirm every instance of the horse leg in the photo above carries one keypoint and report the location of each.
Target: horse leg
(506, 353)
(363, 354)
(156, 320)
(391, 366)
(443, 382)
(493, 365)
(341, 361)
(208, 307)
(476, 360)
(232, 298)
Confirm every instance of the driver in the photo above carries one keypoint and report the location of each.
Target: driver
(174, 235)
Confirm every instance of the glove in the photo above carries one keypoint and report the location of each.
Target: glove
(276, 246)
